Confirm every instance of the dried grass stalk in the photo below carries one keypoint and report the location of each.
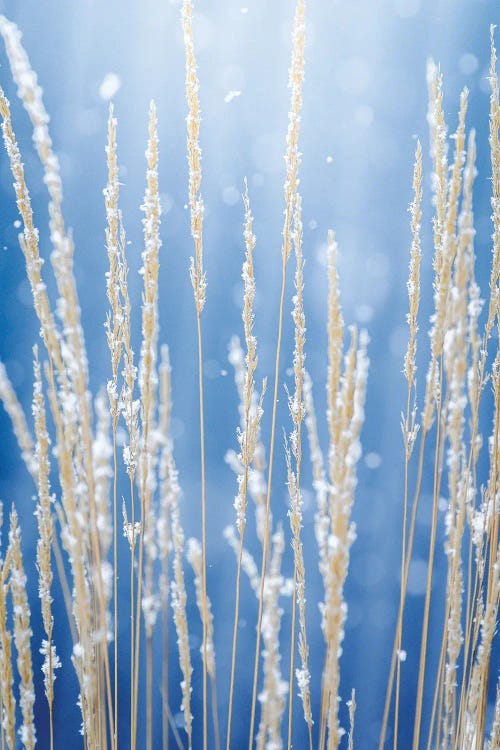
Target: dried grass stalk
(22, 634)
(6, 677)
(297, 411)
(45, 535)
(19, 425)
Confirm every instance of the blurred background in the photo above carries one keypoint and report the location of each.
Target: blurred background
(364, 104)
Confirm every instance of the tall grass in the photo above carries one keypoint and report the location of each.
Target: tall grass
(76, 482)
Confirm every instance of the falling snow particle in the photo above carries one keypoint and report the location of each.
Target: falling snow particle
(468, 64)
(364, 313)
(110, 86)
(231, 95)
(373, 460)
(442, 504)
(230, 195)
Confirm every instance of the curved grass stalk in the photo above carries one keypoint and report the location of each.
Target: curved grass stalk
(249, 432)
(115, 343)
(148, 383)
(297, 411)
(205, 609)
(409, 427)
(198, 281)
(292, 161)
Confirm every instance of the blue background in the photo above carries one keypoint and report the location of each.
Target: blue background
(364, 103)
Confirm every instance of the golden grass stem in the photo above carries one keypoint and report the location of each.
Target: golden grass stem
(149, 692)
(163, 531)
(248, 433)
(471, 598)
(410, 429)
(268, 504)
(175, 731)
(2, 730)
(198, 282)
(411, 536)
(235, 631)
(115, 586)
(494, 549)
(165, 734)
(440, 678)
(51, 706)
(292, 661)
(399, 629)
(297, 408)
(203, 528)
(137, 629)
(324, 706)
(215, 712)
(292, 160)
(133, 714)
(438, 692)
(428, 590)
(102, 612)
